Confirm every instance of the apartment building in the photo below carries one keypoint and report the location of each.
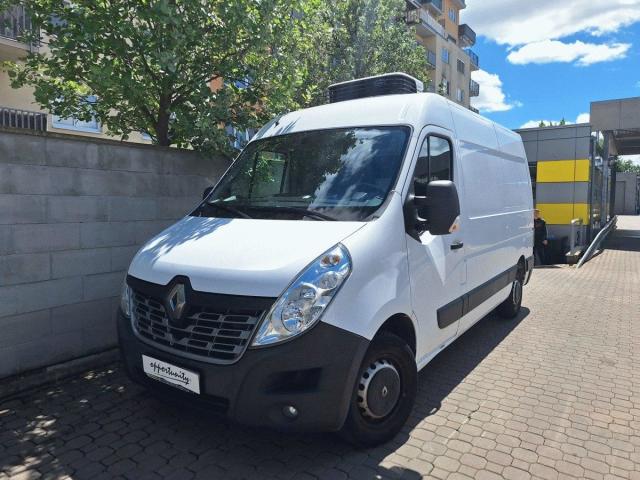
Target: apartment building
(18, 108)
(448, 44)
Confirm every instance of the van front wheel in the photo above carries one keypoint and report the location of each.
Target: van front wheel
(511, 306)
(384, 392)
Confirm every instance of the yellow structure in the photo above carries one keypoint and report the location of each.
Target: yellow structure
(448, 43)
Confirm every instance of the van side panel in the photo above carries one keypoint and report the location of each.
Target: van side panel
(496, 205)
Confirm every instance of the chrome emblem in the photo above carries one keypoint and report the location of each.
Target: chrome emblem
(176, 301)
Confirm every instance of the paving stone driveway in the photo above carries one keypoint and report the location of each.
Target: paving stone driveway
(554, 394)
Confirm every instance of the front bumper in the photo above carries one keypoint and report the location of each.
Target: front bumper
(315, 373)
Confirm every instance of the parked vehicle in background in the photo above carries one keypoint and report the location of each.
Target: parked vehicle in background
(344, 249)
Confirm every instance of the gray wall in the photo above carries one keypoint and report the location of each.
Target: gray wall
(627, 193)
(567, 142)
(73, 212)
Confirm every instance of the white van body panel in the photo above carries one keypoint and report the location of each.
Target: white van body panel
(378, 287)
(237, 256)
(496, 203)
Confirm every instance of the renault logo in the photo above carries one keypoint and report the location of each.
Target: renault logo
(176, 301)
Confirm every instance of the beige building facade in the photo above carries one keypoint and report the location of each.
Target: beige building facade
(18, 108)
(448, 44)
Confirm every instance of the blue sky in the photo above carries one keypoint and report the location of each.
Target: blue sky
(549, 59)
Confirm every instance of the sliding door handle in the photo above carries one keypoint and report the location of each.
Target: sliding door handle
(457, 245)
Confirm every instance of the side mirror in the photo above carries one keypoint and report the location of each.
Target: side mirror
(206, 192)
(439, 209)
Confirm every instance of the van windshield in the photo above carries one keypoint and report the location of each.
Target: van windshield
(338, 174)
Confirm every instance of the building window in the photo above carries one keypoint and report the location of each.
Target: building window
(445, 87)
(460, 95)
(239, 138)
(91, 126)
(461, 66)
(445, 55)
(452, 15)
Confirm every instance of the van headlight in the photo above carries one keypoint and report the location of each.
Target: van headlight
(125, 300)
(302, 304)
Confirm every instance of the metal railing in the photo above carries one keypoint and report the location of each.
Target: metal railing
(435, 3)
(467, 35)
(23, 119)
(602, 235)
(14, 22)
(432, 23)
(574, 235)
(475, 60)
(474, 88)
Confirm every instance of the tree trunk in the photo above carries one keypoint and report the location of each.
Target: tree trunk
(162, 125)
(162, 131)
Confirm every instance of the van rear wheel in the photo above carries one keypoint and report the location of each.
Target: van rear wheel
(511, 306)
(384, 392)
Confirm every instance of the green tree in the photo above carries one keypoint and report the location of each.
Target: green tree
(625, 165)
(150, 64)
(356, 39)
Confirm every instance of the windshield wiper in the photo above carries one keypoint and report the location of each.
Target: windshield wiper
(304, 211)
(229, 208)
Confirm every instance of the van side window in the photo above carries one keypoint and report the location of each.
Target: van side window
(434, 163)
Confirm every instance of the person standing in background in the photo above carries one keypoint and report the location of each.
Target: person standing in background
(540, 241)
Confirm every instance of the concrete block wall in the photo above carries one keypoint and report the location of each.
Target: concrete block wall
(73, 212)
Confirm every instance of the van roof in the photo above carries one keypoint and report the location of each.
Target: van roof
(415, 110)
(406, 109)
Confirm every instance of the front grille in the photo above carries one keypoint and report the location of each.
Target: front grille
(217, 335)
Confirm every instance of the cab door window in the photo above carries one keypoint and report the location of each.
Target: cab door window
(435, 162)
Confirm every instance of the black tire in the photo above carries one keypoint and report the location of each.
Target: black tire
(390, 353)
(511, 306)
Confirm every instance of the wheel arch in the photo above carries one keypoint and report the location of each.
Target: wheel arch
(401, 325)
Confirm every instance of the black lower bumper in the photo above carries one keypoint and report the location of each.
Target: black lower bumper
(314, 373)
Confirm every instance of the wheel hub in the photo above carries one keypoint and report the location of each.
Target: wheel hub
(517, 292)
(379, 390)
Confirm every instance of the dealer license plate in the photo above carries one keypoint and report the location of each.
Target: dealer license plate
(171, 375)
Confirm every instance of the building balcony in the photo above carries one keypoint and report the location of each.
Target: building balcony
(23, 119)
(14, 23)
(433, 6)
(474, 89)
(466, 36)
(474, 59)
(426, 25)
(413, 4)
(432, 58)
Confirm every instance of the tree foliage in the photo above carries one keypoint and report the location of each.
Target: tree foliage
(356, 39)
(626, 165)
(149, 64)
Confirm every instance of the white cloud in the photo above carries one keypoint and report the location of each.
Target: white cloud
(582, 118)
(518, 22)
(548, 51)
(491, 98)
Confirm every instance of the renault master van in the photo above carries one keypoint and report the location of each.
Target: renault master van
(345, 247)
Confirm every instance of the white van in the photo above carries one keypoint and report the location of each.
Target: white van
(346, 246)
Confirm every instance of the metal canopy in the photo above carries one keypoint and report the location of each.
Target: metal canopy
(621, 120)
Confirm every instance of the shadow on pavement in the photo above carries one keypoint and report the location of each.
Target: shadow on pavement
(625, 240)
(102, 426)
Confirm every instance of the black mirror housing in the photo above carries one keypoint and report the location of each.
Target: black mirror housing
(440, 207)
(206, 192)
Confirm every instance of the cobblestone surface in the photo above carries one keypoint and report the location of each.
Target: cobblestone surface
(554, 394)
